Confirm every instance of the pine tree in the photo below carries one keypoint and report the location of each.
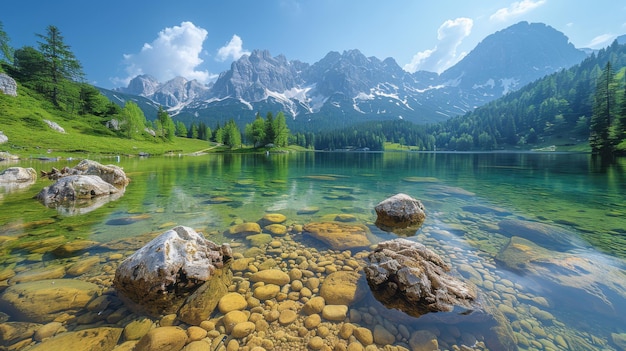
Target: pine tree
(181, 129)
(5, 49)
(270, 133)
(621, 125)
(281, 132)
(168, 129)
(61, 64)
(255, 132)
(603, 112)
(29, 67)
(232, 134)
(133, 120)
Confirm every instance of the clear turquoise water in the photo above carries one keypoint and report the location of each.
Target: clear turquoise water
(466, 195)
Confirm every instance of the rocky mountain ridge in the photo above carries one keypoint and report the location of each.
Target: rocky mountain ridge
(350, 87)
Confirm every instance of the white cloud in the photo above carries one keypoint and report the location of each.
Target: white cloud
(175, 52)
(233, 50)
(601, 41)
(516, 9)
(450, 35)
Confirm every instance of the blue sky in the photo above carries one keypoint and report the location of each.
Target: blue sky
(198, 39)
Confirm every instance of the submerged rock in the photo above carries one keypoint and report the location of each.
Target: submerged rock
(406, 275)
(339, 236)
(44, 300)
(102, 338)
(596, 286)
(201, 303)
(549, 236)
(342, 288)
(400, 212)
(158, 277)
(12, 332)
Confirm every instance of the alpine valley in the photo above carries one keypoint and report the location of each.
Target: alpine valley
(346, 88)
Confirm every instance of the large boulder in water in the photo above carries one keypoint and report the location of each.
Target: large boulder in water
(17, 177)
(408, 276)
(73, 188)
(400, 214)
(158, 277)
(109, 173)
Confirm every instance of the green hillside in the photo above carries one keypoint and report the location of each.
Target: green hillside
(22, 121)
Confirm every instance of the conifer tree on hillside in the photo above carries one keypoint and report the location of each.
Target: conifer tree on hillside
(5, 48)
(232, 134)
(61, 64)
(621, 125)
(133, 120)
(604, 107)
(255, 132)
(281, 132)
(165, 126)
(269, 129)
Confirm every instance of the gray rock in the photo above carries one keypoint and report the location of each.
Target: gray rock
(8, 86)
(400, 212)
(3, 139)
(406, 275)
(18, 175)
(159, 276)
(55, 126)
(73, 188)
(14, 178)
(4, 156)
(111, 174)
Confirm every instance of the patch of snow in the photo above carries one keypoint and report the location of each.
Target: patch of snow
(508, 85)
(119, 98)
(284, 100)
(248, 105)
(363, 96)
(430, 87)
(490, 83)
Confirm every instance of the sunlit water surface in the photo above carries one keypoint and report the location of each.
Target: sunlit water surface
(467, 196)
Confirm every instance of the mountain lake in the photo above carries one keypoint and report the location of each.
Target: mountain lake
(541, 235)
